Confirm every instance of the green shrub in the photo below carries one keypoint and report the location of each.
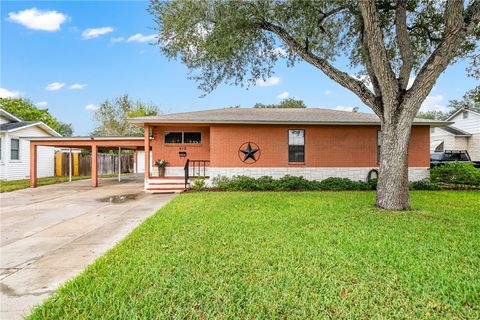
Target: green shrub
(198, 184)
(293, 183)
(424, 184)
(338, 184)
(288, 183)
(456, 173)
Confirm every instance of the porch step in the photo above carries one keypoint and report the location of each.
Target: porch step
(166, 185)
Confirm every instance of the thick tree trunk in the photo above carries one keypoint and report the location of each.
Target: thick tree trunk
(392, 188)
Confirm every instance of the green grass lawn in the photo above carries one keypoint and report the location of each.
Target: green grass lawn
(6, 186)
(287, 255)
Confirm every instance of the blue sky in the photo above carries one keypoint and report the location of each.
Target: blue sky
(70, 56)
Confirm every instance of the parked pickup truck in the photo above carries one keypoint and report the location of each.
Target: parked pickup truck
(440, 158)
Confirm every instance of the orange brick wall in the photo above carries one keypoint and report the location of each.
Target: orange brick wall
(169, 152)
(325, 146)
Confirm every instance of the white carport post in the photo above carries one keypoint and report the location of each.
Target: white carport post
(70, 165)
(119, 164)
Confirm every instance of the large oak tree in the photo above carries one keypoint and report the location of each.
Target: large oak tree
(388, 42)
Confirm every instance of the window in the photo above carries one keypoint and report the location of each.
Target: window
(192, 137)
(173, 137)
(14, 149)
(296, 145)
(379, 144)
(183, 137)
(465, 114)
(432, 130)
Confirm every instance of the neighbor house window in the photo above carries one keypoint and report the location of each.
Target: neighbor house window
(183, 137)
(296, 145)
(379, 144)
(432, 130)
(14, 149)
(465, 114)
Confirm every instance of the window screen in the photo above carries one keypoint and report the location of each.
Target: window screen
(296, 145)
(192, 137)
(14, 149)
(173, 137)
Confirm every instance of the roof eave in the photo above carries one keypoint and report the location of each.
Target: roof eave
(140, 121)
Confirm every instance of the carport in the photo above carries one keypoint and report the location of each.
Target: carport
(95, 144)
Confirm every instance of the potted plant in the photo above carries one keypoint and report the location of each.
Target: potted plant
(161, 164)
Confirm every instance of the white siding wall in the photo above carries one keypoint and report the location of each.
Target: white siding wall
(471, 125)
(20, 169)
(474, 147)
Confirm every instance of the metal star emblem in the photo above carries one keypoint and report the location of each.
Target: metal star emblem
(249, 153)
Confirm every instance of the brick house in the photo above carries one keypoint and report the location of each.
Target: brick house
(314, 143)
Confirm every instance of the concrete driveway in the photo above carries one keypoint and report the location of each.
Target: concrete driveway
(51, 233)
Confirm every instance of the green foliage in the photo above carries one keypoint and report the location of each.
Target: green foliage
(286, 103)
(433, 115)
(456, 173)
(111, 116)
(278, 255)
(288, 183)
(228, 41)
(27, 111)
(425, 184)
(470, 100)
(198, 184)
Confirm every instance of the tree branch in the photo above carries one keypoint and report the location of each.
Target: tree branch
(342, 78)
(454, 35)
(404, 44)
(472, 17)
(373, 39)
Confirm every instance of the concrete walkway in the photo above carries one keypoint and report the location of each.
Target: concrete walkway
(51, 233)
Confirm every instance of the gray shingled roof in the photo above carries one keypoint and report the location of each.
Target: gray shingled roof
(16, 125)
(456, 131)
(272, 115)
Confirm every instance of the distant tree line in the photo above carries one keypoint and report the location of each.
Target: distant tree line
(25, 110)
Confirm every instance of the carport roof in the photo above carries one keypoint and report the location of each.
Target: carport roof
(89, 141)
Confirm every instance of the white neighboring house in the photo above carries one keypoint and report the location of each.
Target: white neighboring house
(464, 134)
(15, 148)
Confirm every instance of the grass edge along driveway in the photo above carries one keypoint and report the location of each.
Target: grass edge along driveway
(287, 255)
(12, 185)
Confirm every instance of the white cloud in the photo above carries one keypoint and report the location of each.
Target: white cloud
(272, 81)
(77, 86)
(142, 38)
(328, 92)
(95, 32)
(283, 95)
(433, 103)
(5, 93)
(91, 107)
(54, 86)
(343, 108)
(42, 104)
(38, 20)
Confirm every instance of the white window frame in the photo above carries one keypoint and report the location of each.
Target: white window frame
(19, 148)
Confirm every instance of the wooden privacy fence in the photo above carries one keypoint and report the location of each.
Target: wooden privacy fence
(82, 164)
